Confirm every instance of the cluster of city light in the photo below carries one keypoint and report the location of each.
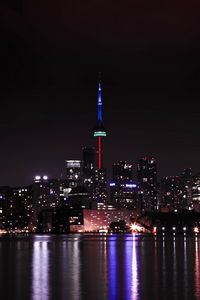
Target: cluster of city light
(14, 231)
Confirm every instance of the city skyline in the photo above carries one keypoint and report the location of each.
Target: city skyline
(92, 212)
(55, 171)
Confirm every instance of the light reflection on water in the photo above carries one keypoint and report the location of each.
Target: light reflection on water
(131, 268)
(163, 274)
(197, 271)
(185, 270)
(113, 267)
(75, 261)
(174, 269)
(40, 270)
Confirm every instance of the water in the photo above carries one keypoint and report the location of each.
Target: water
(112, 267)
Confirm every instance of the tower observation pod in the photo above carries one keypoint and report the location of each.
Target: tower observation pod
(99, 130)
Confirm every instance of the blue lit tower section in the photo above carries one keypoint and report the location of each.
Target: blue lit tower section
(100, 117)
(99, 131)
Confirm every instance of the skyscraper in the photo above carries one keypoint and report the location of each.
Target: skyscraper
(147, 178)
(40, 190)
(123, 191)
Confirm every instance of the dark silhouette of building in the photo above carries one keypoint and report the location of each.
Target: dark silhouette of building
(53, 221)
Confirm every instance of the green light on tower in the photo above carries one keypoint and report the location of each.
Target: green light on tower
(99, 133)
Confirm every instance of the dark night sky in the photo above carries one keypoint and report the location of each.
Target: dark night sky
(51, 53)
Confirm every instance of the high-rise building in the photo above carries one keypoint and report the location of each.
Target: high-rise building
(15, 207)
(100, 181)
(147, 179)
(123, 191)
(47, 194)
(88, 166)
(41, 191)
(176, 191)
(73, 173)
(22, 202)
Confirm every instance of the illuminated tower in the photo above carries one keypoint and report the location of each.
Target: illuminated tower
(100, 183)
(99, 130)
